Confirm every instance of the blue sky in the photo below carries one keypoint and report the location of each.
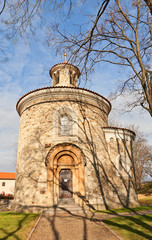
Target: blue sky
(27, 69)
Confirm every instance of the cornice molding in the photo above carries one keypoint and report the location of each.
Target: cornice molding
(53, 94)
(121, 133)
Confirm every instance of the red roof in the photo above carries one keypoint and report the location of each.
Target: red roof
(7, 175)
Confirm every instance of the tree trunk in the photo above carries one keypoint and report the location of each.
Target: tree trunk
(149, 4)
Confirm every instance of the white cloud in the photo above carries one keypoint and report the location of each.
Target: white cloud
(22, 73)
(10, 90)
(104, 82)
(9, 123)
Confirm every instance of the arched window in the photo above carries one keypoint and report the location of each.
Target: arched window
(71, 78)
(74, 79)
(122, 162)
(56, 77)
(64, 125)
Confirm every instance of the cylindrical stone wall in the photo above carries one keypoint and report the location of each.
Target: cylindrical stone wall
(102, 182)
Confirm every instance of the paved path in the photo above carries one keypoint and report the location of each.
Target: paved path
(68, 226)
(72, 227)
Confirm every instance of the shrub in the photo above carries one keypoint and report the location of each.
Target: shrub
(6, 196)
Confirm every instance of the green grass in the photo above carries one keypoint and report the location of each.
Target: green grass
(132, 227)
(16, 225)
(122, 210)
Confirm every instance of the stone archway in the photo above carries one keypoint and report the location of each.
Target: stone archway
(65, 156)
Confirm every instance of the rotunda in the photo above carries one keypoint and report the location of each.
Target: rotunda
(66, 150)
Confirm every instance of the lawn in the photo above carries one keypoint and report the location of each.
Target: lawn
(132, 227)
(123, 210)
(16, 225)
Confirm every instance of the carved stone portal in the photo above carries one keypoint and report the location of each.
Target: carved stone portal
(65, 166)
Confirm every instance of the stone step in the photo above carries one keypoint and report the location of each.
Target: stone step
(66, 201)
(64, 206)
(58, 211)
(55, 211)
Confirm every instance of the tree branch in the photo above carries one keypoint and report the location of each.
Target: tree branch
(4, 4)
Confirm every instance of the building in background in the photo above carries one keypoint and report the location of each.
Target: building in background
(7, 182)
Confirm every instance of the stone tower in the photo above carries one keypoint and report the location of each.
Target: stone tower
(66, 149)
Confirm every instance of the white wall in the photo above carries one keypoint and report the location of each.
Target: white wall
(9, 186)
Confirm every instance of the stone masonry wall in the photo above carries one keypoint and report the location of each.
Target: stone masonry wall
(39, 132)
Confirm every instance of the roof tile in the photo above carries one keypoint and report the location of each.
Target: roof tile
(7, 175)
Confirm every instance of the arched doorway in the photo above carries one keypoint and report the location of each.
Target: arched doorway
(65, 173)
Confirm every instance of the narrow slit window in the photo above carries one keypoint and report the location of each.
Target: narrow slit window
(71, 78)
(122, 163)
(57, 77)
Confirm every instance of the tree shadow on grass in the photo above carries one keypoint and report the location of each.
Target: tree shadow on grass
(136, 221)
(18, 227)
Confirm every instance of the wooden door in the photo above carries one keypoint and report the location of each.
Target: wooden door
(65, 183)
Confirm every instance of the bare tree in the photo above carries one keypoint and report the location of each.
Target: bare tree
(142, 158)
(3, 6)
(3, 56)
(122, 37)
(23, 13)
